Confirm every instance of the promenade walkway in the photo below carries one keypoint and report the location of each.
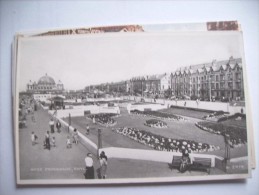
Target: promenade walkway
(58, 162)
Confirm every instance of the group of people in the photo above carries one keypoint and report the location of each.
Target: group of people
(52, 126)
(157, 114)
(156, 123)
(89, 166)
(50, 141)
(236, 136)
(162, 143)
(103, 119)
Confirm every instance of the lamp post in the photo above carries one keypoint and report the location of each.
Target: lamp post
(210, 87)
(227, 149)
(69, 122)
(99, 141)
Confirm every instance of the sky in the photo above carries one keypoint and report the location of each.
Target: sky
(83, 60)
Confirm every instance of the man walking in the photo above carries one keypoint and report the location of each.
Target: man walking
(51, 124)
(89, 168)
(47, 140)
(58, 126)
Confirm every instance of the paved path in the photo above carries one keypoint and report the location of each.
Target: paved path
(58, 162)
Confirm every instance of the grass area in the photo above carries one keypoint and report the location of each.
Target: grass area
(236, 123)
(185, 112)
(176, 130)
(236, 134)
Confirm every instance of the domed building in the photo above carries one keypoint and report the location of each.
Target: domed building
(46, 84)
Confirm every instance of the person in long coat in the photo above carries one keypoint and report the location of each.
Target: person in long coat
(89, 167)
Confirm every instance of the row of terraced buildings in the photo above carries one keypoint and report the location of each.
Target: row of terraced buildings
(217, 79)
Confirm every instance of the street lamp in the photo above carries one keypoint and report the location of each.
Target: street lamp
(210, 87)
(227, 149)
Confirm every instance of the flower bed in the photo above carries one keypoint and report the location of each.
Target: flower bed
(236, 116)
(236, 135)
(162, 143)
(160, 115)
(217, 114)
(104, 119)
(156, 123)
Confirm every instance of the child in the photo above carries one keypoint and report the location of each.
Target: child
(53, 140)
(87, 129)
(75, 136)
(69, 145)
(33, 138)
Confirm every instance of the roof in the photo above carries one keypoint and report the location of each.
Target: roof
(57, 97)
(214, 66)
(46, 80)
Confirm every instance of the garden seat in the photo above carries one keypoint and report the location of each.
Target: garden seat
(201, 164)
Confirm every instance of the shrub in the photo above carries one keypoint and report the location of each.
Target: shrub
(237, 135)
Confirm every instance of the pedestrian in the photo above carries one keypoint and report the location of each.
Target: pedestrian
(47, 140)
(58, 126)
(87, 129)
(75, 136)
(185, 161)
(69, 144)
(51, 124)
(94, 120)
(89, 167)
(103, 165)
(53, 141)
(33, 138)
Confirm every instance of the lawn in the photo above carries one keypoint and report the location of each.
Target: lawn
(176, 130)
(235, 123)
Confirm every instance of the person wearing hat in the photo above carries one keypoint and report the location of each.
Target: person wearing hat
(89, 167)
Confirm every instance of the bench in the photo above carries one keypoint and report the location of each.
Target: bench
(198, 164)
(176, 162)
(201, 164)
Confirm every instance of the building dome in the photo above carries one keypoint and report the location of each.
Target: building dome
(46, 80)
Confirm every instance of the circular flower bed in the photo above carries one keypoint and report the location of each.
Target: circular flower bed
(156, 123)
(104, 119)
(159, 115)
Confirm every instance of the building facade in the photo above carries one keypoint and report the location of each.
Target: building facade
(45, 84)
(217, 80)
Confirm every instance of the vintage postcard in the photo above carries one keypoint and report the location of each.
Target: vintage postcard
(107, 108)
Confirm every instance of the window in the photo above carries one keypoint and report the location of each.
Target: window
(230, 85)
(238, 85)
(230, 76)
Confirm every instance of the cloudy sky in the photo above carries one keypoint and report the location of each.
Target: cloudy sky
(82, 60)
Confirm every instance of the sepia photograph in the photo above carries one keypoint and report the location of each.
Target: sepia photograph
(137, 107)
